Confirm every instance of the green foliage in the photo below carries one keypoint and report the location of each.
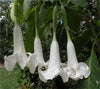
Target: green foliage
(82, 39)
(73, 21)
(5, 48)
(30, 32)
(48, 15)
(83, 35)
(42, 15)
(82, 3)
(6, 35)
(55, 18)
(93, 81)
(8, 80)
(24, 79)
(26, 6)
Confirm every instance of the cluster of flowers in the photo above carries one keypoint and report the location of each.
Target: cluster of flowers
(53, 67)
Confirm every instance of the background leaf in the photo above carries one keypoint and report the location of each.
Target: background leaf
(82, 39)
(8, 80)
(82, 3)
(73, 21)
(30, 33)
(26, 6)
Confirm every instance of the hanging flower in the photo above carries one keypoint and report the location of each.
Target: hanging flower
(36, 59)
(19, 54)
(74, 69)
(53, 67)
(38, 51)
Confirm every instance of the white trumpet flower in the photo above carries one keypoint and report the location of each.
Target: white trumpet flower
(54, 64)
(53, 67)
(74, 69)
(19, 54)
(36, 59)
(38, 51)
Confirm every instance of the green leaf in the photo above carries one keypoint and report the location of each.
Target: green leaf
(20, 15)
(8, 80)
(81, 40)
(82, 3)
(52, 1)
(73, 21)
(42, 15)
(48, 15)
(93, 82)
(26, 6)
(21, 1)
(45, 17)
(30, 32)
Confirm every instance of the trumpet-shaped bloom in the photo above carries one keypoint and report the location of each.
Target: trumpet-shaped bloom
(19, 54)
(36, 59)
(53, 68)
(38, 51)
(74, 69)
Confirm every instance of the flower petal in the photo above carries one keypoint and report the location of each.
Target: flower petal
(22, 60)
(74, 74)
(64, 74)
(32, 64)
(10, 62)
(84, 69)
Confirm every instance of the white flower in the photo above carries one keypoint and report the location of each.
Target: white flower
(74, 69)
(36, 59)
(38, 51)
(19, 54)
(54, 64)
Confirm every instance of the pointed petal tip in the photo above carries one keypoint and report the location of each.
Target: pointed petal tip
(41, 76)
(64, 75)
(10, 62)
(32, 63)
